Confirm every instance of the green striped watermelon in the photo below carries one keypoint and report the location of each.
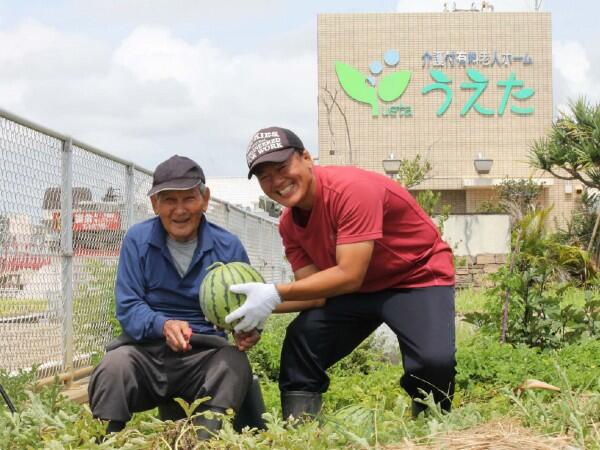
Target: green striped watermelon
(215, 299)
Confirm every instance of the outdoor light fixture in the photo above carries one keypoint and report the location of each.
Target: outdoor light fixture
(482, 165)
(391, 165)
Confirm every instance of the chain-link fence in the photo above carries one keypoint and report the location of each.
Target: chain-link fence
(64, 208)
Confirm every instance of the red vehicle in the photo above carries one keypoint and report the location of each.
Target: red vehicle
(97, 225)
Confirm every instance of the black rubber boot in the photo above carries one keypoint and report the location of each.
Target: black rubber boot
(417, 408)
(114, 426)
(300, 404)
(252, 409)
(207, 428)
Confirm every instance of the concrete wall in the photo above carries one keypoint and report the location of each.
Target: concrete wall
(481, 243)
(478, 234)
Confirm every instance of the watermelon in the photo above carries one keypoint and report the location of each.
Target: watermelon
(215, 299)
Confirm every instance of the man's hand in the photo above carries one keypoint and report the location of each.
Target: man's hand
(178, 334)
(246, 340)
(261, 300)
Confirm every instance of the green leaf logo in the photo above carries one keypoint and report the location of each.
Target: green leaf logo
(366, 89)
(393, 85)
(355, 84)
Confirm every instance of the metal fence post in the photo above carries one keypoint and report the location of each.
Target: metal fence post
(261, 250)
(66, 252)
(129, 196)
(227, 212)
(246, 241)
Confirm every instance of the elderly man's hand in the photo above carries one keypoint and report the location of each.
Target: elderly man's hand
(245, 340)
(178, 334)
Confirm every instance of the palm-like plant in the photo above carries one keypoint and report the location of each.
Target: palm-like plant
(571, 151)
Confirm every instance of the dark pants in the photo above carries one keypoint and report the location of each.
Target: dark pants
(138, 377)
(422, 319)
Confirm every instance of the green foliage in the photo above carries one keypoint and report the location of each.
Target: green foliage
(470, 300)
(264, 356)
(411, 173)
(571, 150)
(515, 197)
(47, 420)
(572, 411)
(489, 207)
(16, 386)
(533, 288)
(579, 228)
(430, 201)
(94, 305)
(364, 407)
(361, 410)
(361, 361)
(380, 386)
(521, 195)
(485, 365)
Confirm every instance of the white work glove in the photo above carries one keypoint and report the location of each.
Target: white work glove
(261, 300)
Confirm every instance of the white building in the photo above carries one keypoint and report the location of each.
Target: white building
(238, 191)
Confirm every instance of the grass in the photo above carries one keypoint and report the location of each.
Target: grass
(364, 406)
(361, 412)
(470, 300)
(19, 306)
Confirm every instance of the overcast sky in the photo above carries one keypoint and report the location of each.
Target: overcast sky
(144, 79)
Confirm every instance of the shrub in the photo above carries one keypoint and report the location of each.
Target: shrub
(529, 302)
(483, 361)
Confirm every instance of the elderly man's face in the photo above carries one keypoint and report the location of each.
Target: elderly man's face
(181, 211)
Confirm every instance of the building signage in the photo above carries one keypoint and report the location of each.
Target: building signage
(471, 58)
(478, 83)
(389, 87)
(369, 90)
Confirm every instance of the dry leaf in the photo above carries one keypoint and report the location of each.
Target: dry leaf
(535, 384)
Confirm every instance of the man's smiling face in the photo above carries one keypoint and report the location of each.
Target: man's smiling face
(180, 212)
(291, 182)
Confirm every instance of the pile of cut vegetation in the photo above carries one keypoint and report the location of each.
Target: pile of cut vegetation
(497, 435)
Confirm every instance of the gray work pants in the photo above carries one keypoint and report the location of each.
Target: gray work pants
(136, 377)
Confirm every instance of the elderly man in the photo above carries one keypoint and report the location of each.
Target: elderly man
(168, 348)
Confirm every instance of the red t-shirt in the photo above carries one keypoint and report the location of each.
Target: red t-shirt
(355, 205)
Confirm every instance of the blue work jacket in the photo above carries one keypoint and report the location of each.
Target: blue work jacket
(149, 290)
